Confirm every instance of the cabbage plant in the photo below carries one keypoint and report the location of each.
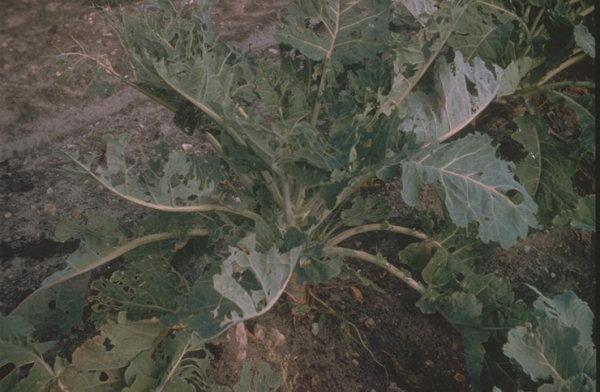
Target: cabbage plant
(362, 91)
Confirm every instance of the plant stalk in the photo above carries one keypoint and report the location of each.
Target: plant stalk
(564, 65)
(378, 261)
(376, 227)
(532, 89)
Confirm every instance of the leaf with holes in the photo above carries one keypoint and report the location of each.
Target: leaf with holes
(477, 188)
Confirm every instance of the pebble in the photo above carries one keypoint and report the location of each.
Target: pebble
(8, 215)
(370, 323)
(355, 362)
(314, 329)
(429, 363)
(50, 208)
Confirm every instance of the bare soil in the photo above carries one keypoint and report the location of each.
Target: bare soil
(50, 103)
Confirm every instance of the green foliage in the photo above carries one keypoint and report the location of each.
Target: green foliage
(558, 350)
(363, 91)
(478, 305)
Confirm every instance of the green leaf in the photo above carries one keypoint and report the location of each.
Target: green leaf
(365, 209)
(58, 309)
(556, 192)
(182, 180)
(571, 311)
(546, 353)
(272, 270)
(463, 91)
(318, 269)
(344, 31)
(476, 186)
(18, 349)
(559, 348)
(417, 48)
(147, 287)
(586, 119)
(585, 40)
(258, 377)
(483, 32)
(583, 216)
(529, 169)
(125, 339)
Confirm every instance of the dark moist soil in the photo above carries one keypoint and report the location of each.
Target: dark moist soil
(360, 340)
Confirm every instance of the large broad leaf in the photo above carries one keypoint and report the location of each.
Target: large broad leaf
(478, 188)
(271, 270)
(559, 348)
(147, 287)
(117, 345)
(483, 31)
(61, 298)
(344, 31)
(417, 49)
(556, 192)
(180, 181)
(571, 311)
(463, 91)
(19, 351)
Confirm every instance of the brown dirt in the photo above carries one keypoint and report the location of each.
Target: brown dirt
(49, 103)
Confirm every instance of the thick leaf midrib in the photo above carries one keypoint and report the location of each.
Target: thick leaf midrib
(491, 189)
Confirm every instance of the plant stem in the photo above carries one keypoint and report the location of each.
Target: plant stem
(532, 89)
(535, 23)
(174, 365)
(564, 65)
(378, 261)
(287, 203)
(376, 227)
(587, 11)
(317, 108)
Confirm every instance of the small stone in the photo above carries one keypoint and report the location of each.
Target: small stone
(186, 146)
(459, 377)
(278, 337)
(273, 50)
(314, 329)
(527, 248)
(8, 215)
(50, 208)
(355, 362)
(259, 332)
(429, 363)
(49, 191)
(370, 323)
(552, 275)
